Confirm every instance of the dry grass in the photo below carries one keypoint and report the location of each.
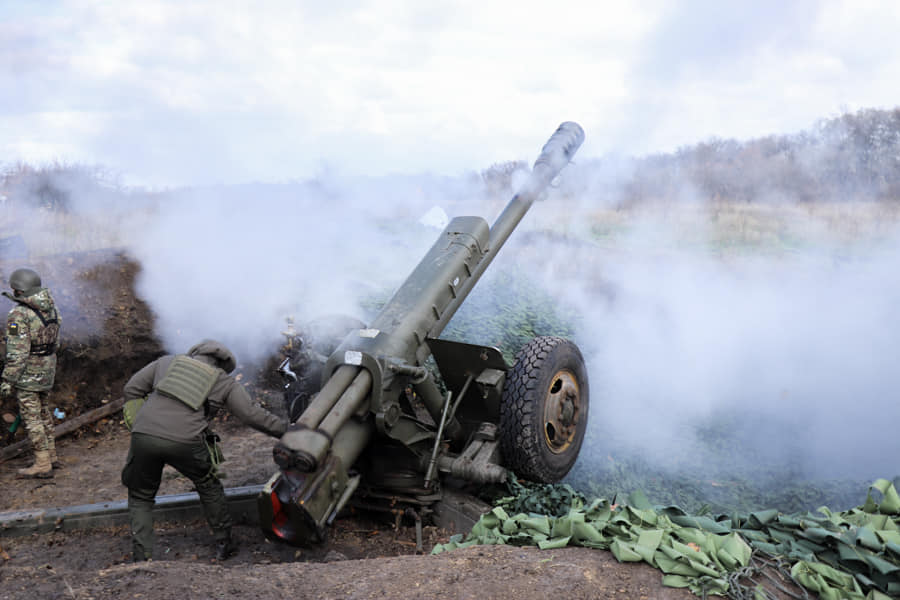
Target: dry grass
(728, 227)
(721, 227)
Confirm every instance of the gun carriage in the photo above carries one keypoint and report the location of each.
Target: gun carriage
(381, 427)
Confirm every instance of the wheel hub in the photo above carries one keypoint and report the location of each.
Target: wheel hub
(561, 412)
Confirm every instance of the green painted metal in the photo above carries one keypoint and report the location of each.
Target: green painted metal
(456, 512)
(174, 507)
(371, 372)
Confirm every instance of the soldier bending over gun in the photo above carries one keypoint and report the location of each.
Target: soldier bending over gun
(183, 393)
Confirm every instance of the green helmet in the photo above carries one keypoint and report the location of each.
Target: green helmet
(23, 280)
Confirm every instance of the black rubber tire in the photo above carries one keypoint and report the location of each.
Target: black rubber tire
(544, 410)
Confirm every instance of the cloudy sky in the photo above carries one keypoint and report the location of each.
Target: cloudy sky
(164, 94)
(167, 93)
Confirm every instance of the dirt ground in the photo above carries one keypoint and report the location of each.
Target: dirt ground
(365, 556)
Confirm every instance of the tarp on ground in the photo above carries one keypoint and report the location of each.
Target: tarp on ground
(853, 554)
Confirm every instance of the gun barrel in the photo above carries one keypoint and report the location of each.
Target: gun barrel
(328, 396)
(555, 155)
(369, 370)
(312, 436)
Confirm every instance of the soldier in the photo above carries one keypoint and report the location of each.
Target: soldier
(32, 336)
(183, 393)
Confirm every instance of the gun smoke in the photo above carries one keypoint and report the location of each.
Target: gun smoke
(792, 352)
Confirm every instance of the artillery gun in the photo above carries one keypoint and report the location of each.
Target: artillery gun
(383, 427)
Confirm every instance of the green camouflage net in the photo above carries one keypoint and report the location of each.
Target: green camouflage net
(854, 554)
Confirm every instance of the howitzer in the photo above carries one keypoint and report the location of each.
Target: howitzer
(381, 428)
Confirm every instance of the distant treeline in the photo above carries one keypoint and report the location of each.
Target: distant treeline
(852, 157)
(52, 186)
(855, 156)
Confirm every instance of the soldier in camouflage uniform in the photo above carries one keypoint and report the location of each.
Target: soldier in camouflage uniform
(183, 393)
(32, 336)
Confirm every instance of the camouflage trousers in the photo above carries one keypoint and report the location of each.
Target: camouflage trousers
(37, 418)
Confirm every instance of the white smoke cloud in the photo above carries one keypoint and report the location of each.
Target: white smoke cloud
(786, 341)
(233, 263)
(675, 332)
(797, 346)
(786, 336)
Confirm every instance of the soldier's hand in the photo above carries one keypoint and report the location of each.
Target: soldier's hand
(5, 389)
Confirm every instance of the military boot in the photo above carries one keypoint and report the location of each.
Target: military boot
(41, 469)
(54, 460)
(226, 548)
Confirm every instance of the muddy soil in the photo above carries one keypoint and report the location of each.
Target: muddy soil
(108, 334)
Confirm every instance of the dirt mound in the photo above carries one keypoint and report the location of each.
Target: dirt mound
(477, 572)
(107, 331)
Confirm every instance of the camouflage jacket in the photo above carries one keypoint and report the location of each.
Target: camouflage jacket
(32, 337)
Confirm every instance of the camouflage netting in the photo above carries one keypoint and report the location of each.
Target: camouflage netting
(854, 554)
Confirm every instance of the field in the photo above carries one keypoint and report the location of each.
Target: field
(606, 277)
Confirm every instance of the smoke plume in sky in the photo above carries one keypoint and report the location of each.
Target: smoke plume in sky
(799, 344)
(791, 344)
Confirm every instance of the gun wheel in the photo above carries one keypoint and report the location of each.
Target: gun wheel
(544, 411)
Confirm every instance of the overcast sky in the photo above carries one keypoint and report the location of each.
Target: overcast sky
(167, 93)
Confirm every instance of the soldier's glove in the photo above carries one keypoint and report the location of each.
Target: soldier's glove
(6, 389)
